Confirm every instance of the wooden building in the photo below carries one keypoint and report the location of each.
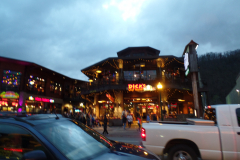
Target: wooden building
(130, 80)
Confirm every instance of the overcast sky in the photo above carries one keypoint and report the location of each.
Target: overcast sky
(67, 36)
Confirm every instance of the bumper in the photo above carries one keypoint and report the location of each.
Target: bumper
(158, 150)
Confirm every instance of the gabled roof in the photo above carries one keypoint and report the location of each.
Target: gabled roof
(130, 58)
(124, 51)
(190, 43)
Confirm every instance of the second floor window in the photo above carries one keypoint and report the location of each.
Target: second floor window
(55, 88)
(136, 75)
(149, 75)
(36, 84)
(11, 80)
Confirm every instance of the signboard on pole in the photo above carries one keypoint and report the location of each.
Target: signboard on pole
(186, 62)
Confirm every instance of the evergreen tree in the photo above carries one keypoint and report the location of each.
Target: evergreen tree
(219, 72)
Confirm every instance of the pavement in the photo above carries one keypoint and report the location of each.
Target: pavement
(117, 133)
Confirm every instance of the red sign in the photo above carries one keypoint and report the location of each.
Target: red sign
(110, 97)
(3, 103)
(136, 87)
(174, 105)
(38, 99)
(44, 100)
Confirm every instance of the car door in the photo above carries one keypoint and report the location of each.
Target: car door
(235, 112)
(15, 141)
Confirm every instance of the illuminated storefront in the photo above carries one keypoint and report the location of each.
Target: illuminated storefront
(27, 86)
(37, 103)
(9, 101)
(131, 80)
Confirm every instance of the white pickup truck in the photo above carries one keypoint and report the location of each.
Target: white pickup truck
(217, 136)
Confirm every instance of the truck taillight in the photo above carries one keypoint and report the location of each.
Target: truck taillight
(143, 134)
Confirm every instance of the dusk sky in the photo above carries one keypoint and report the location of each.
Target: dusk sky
(67, 36)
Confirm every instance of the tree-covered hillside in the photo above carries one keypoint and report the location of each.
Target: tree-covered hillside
(219, 71)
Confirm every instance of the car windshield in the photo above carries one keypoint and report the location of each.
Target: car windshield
(75, 140)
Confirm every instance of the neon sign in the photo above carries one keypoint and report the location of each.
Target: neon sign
(136, 87)
(174, 105)
(4, 103)
(9, 94)
(41, 99)
(110, 97)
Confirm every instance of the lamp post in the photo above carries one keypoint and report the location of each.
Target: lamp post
(159, 86)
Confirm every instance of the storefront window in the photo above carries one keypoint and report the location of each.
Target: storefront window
(55, 88)
(36, 84)
(11, 80)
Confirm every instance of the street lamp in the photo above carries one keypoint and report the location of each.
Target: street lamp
(159, 86)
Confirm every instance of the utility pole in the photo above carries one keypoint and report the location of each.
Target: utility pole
(191, 66)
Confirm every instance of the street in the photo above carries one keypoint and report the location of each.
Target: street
(117, 133)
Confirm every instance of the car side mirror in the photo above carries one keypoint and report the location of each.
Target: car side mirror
(34, 155)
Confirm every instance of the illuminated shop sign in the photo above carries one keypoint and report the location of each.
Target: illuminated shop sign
(14, 104)
(9, 94)
(149, 88)
(136, 87)
(4, 103)
(41, 99)
(140, 87)
(110, 97)
(174, 105)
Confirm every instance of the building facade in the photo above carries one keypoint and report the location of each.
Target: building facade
(29, 87)
(130, 81)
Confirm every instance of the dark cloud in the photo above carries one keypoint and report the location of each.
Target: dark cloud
(68, 36)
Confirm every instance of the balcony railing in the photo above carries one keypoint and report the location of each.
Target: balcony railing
(103, 84)
(146, 78)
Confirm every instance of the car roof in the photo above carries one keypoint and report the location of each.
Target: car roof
(34, 119)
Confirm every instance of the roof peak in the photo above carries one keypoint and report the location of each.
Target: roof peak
(140, 49)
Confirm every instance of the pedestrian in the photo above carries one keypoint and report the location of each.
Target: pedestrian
(130, 119)
(124, 121)
(123, 113)
(84, 119)
(148, 118)
(93, 120)
(105, 124)
(88, 120)
(139, 123)
(154, 117)
(90, 115)
(164, 113)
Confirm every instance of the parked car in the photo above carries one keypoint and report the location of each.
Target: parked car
(7, 113)
(217, 136)
(12, 114)
(50, 136)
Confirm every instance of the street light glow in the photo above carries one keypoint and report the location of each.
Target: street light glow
(159, 86)
(237, 90)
